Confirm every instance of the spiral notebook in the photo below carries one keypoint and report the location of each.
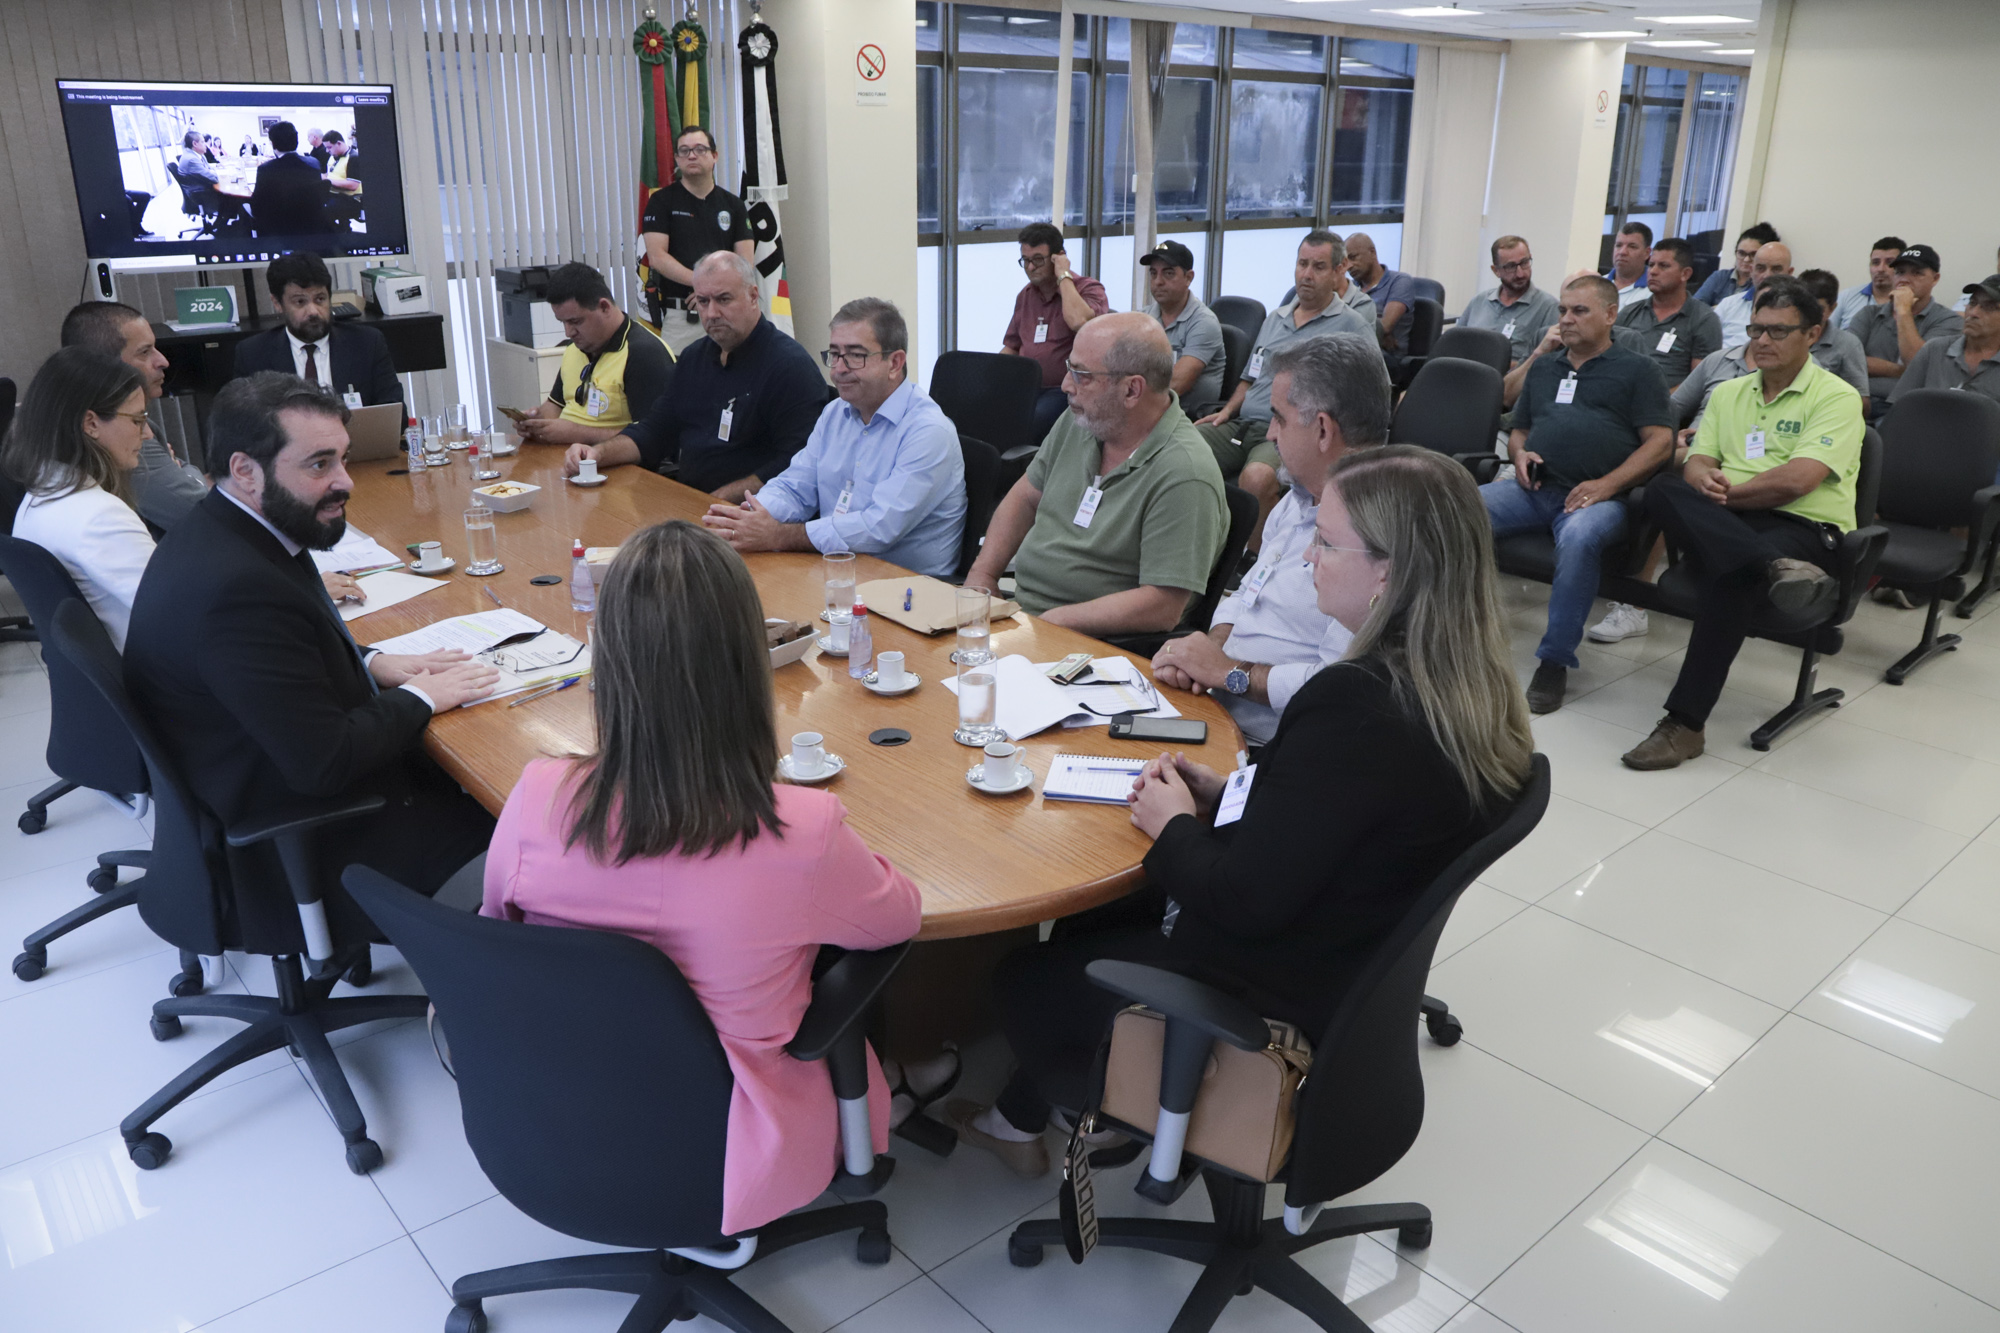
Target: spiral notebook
(1082, 777)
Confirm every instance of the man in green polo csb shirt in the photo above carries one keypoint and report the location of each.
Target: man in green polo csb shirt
(1120, 519)
(1767, 492)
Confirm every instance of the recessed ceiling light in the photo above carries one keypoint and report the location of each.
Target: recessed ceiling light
(1608, 35)
(1736, 51)
(1433, 12)
(1679, 42)
(1692, 18)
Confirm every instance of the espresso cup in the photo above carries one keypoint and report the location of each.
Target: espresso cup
(1000, 764)
(808, 754)
(889, 671)
(586, 469)
(430, 555)
(836, 631)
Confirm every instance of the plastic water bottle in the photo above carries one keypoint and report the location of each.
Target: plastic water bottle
(413, 444)
(860, 643)
(582, 596)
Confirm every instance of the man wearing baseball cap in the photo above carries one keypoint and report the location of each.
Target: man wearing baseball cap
(1969, 360)
(1193, 331)
(1893, 333)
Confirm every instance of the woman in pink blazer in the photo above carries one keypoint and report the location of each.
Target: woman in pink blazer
(673, 832)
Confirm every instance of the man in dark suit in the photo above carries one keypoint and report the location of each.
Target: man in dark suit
(243, 664)
(290, 197)
(341, 359)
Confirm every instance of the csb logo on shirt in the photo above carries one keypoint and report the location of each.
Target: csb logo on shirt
(1792, 428)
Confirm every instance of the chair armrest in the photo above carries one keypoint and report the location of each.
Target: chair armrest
(289, 829)
(1986, 505)
(1220, 1016)
(301, 819)
(1019, 452)
(1484, 467)
(1854, 564)
(840, 997)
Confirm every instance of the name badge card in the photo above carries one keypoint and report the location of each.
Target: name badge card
(1234, 793)
(1256, 366)
(352, 398)
(1566, 391)
(1507, 329)
(846, 497)
(595, 403)
(1041, 331)
(1753, 444)
(1666, 342)
(722, 427)
(1253, 585)
(1093, 495)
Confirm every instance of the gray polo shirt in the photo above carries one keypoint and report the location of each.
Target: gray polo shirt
(1523, 322)
(1940, 364)
(1357, 299)
(1279, 331)
(1674, 344)
(1197, 332)
(1875, 326)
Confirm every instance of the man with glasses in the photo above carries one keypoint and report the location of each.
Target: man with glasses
(1726, 282)
(1517, 309)
(1766, 494)
(1120, 518)
(684, 221)
(881, 473)
(1772, 260)
(1048, 312)
(613, 370)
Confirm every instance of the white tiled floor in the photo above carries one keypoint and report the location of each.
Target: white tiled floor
(1731, 1062)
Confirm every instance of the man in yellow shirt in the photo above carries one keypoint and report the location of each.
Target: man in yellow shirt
(613, 370)
(1766, 494)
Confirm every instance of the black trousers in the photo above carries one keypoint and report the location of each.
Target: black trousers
(419, 841)
(1731, 551)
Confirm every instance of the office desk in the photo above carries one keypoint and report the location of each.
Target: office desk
(202, 361)
(984, 863)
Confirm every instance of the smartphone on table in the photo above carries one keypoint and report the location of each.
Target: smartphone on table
(1183, 730)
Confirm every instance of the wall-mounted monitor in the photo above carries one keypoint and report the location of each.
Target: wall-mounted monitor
(184, 174)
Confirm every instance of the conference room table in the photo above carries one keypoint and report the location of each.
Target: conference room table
(984, 863)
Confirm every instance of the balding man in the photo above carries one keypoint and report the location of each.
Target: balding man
(1394, 293)
(1772, 260)
(1120, 518)
(744, 397)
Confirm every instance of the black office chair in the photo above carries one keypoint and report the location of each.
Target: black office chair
(1487, 346)
(990, 396)
(596, 1098)
(189, 900)
(1242, 522)
(1452, 406)
(198, 201)
(982, 496)
(1940, 450)
(1236, 348)
(1428, 288)
(1358, 1112)
(1426, 323)
(88, 747)
(1240, 312)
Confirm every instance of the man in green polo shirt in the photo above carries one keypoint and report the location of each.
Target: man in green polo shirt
(1767, 492)
(1120, 518)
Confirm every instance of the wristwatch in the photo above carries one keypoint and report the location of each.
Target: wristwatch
(1238, 679)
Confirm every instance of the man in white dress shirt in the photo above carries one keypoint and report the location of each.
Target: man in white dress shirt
(1328, 395)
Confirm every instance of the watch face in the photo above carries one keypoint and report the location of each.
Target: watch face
(1237, 681)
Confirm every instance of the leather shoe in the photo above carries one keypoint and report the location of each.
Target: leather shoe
(1545, 691)
(1799, 588)
(1670, 745)
(1029, 1160)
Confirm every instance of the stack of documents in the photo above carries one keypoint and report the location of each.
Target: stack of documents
(356, 551)
(528, 653)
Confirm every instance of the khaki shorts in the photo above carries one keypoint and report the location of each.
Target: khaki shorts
(1237, 443)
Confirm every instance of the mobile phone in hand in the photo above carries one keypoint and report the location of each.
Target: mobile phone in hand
(1535, 468)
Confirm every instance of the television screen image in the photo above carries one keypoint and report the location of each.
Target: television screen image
(222, 172)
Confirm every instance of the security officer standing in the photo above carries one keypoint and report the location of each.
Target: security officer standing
(613, 370)
(684, 221)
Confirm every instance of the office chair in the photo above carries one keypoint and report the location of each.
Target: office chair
(198, 201)
(1236, 349)
(1428, 288)
(1940, 449)
(1240, 312)
(982, 497)
(1242, 522)
(1358, 1112)
(989, 396)
(13, 629)
(1426, 323)
(1452, 406)
(191, 900)
(88, 747)
(1486, 346)
(596, 1097)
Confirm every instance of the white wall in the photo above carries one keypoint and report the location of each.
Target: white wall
(1552, 154)
(1884, 128)
(850, 225)
(1451, 145)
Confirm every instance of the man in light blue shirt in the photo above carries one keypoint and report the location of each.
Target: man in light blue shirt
(881, 473)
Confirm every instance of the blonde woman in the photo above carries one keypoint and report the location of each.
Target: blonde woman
(1385, 766)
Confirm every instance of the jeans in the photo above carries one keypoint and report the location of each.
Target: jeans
(1580, 541)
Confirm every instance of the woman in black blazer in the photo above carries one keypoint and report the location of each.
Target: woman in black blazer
(1385, 766)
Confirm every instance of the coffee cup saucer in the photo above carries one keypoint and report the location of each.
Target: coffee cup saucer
(825, 644)
(828, 771)
(597, 480)
(442, 568)
(910, 681)
(975, 777)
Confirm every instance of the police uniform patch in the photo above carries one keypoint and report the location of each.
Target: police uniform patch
(722, 219)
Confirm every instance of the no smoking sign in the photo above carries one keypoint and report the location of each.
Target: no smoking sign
(870, 67)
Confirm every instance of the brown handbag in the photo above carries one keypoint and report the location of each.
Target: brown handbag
(1243, 1116)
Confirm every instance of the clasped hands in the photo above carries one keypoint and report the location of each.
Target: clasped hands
(747, 527)
(1169, 786)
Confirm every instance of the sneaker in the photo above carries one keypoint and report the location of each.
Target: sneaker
(1895, 597)
(1620, 622)
(1670, 745)
(1799, 588)
(1545, 691)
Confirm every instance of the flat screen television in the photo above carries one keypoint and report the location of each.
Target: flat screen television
(182, 174)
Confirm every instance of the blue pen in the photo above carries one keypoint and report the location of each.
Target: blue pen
(909, 594)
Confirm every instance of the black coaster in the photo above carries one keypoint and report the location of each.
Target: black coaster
(888, 736)
(544, 580)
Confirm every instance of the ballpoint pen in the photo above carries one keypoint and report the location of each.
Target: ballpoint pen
(909, 595)
(488, 590)
(547, 690)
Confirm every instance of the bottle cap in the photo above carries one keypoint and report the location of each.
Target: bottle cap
(576, 547)
(859, 609)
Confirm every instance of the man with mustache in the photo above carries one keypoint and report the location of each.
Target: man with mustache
(350, 361)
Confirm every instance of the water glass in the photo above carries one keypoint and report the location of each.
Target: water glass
(978, 703)
(434, 442)
(482, 545)
(974, 608)
(839, 567)
(457, 424)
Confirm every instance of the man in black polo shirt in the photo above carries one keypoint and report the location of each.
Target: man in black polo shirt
(743, 401)
(1588, 426)
(1670, 326)
(684, 221)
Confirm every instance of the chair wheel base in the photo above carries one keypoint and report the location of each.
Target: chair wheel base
(363, 1156)
(872, 1247)
(467, 1318)
(103, 879)
(1445, 1031)
(165, 1027)
(1021, 1254)
(33, 821)
(149, 1152)
(1415, 1237)
(29, 966)
(360, 974)
(183, 984)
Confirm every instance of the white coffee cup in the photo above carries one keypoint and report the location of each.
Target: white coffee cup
(1000, 764)
(889, 671)
(836, 631)
(586, 469)
(430, 555)
(808, 754)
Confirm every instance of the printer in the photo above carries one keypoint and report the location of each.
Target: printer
(525, 316)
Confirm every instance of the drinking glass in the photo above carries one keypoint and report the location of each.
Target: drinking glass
(478, 452)
(839, 566)
(977, 703)
(974, 610)
(456, 426)
(482, 545)
(434, 442)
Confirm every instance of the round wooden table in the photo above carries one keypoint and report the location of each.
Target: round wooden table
(984, 863)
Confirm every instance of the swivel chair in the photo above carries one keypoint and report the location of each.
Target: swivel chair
(1487, 346)
(982, 496)
(991, 396)
(1240, 312)
(1452, 406)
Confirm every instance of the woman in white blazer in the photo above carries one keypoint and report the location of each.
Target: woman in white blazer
(73, 446)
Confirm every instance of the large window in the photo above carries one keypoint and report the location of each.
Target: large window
(1674, 153)
(1264, 135)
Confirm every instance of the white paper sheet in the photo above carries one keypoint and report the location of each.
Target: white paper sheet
(547, 658)
(389, 588)
(1029, 702)
(356, 550)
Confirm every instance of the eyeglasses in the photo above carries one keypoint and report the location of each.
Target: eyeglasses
(854, 358)
(1518, 266)
(1080, 375)
(693, 150)
(1747, 255)
(1777, 333)
(136, 418)
(1029, 261)
(1320, 543)
(582, 394)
